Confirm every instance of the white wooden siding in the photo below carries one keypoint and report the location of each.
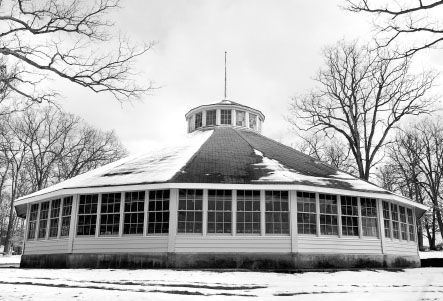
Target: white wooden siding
(314, 244)
(259, 244)
(51, 246)
(400, 248)
(129, 244)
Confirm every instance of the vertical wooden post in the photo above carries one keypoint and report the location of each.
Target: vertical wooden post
(173, 208)
(317, 209)
(60, 214)
(234, 117)
(122, 214)
(73, 224)
(145, 214)
(247, 119)
(48, 222)
(360, 225)
(217, 117)
(293, 220)
(204, 118)
(205, 212)
(37, 225)
(98, 219)
(262, 213)
(234, 213)
(381, 225)
(339, 220)
(391, 224)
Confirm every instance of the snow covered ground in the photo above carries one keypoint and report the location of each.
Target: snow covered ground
(34, 284)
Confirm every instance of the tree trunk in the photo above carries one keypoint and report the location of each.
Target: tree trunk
(432, 247)
(420, 236)
(8, 240)
(429, 235)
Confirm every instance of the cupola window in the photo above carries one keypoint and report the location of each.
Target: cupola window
(225, 116)
(210, 117)
(253, 121)
(240, 118)
(198, 120)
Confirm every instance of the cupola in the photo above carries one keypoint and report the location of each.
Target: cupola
(226, 113)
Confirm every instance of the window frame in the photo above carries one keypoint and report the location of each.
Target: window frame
(277, 206)
(353, 216)
(116, 204)
(209, 117)
(163, 213)
(302, 204)
(195, 211)
(140, 200)
(219, 198)
(94, 198)
(198, 121)
(367, 217)
(45, 220)
(252, 212)
(225, 116)
(34, 236)
(240, 113)
(56, 218)
(67, 216)
(328, 215)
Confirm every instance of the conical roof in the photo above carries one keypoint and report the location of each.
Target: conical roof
(218, 155)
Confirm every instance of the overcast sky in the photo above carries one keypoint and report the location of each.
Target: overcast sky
(274, 50)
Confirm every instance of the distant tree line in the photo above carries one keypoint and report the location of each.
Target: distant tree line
(40, 147)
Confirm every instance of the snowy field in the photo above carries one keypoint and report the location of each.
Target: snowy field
(108, 284)
(33, 284)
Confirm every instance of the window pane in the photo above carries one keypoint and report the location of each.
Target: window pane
(240, 118)
(328, 214)
(349, 215)
(110, 214)
(276, 216)
(134, 212)
(369, 217)
(198, 120)
(55, 216)
(248, 211)
(219, 211)
(87, 215)
(306, 213)
(210, 117)
(43, 223)
(253, 121)
(32, 221)
(158, 215)
(190, 211)
(66, 216)
(225, 116)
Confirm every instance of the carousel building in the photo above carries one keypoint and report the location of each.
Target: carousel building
(224, 197)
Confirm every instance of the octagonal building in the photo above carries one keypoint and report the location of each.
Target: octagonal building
(224, 197)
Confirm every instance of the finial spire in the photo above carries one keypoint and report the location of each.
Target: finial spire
(225, 74)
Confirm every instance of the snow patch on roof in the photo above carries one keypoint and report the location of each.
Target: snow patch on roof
(279, 173)
(155, 166)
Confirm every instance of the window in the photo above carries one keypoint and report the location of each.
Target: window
(219, 211)
(66, 216)
(411, 225)
(87, 214)
(253, 121)
(32, 221)
(248, 211)
(43, 222)
(211, 117)
(134, 215)
(403, 223)
(349, 215)
(395, 227)
(190, 211)
(198, 120)
(328, 214)
(306, 213)
(386, 219)
(240, 119)
(225, 116)
(369, 217)
(110, 214)
(55, 216)
(277, 212)
(158, 216)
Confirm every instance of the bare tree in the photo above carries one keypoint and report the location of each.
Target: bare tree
(73, 40)
(406, 21)
(329, 151)
(45, 146)
(361, 96)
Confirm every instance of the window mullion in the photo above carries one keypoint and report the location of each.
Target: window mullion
(122, 214)
(360, 225)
